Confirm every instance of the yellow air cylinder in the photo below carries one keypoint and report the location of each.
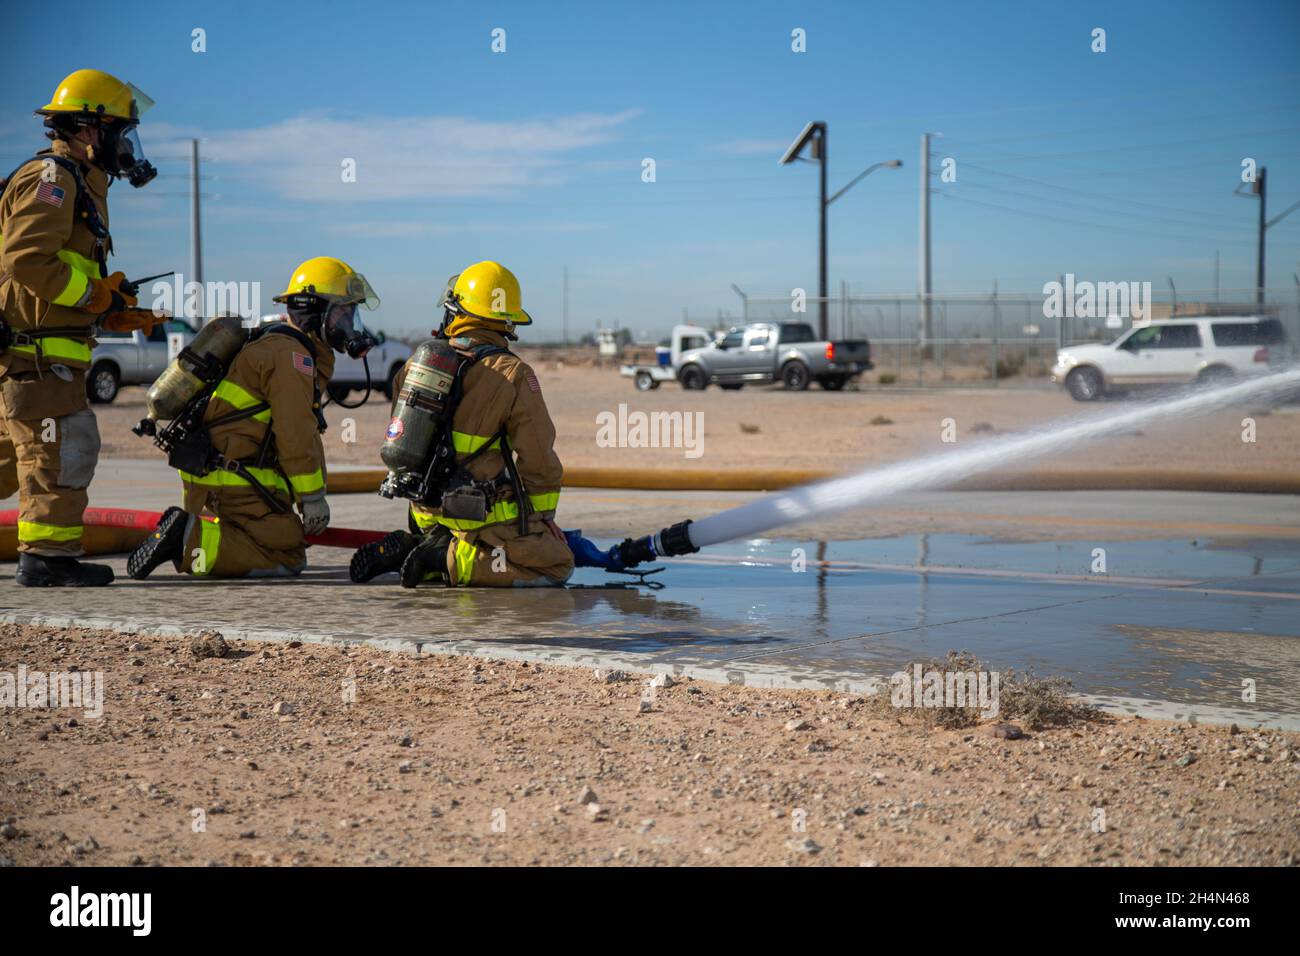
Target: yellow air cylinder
(212, 351)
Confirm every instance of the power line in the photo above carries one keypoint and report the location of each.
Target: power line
(1132, 215)
(1109, 227)
(1129, 147)
(1079, 192)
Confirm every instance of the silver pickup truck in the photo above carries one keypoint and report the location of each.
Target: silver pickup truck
(130, 358)
(786, 352)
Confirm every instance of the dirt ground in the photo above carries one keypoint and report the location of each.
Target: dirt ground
(770, 428)
(318, 754)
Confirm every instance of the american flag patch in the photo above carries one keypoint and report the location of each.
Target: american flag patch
(303, 363)
(535, 385)
(50, 193)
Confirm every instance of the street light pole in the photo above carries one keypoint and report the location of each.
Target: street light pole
(815, 134)
(196, 232)
(823, 291)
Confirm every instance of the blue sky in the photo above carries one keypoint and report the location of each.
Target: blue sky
(1113, 166)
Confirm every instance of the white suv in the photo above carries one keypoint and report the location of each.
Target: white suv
(1173, 352)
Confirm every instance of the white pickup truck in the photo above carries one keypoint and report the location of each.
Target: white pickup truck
(131, 358)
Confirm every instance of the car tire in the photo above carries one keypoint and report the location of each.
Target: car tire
(833, 383)
(645, 382)
(1214, 375)
(693, 379)
(102, 383)
(1085, 384)
(732, 386)
(795, 376)
(337, 393)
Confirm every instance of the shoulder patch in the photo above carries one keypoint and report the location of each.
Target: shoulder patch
(535, 385)
(48, 192)
(304, 364)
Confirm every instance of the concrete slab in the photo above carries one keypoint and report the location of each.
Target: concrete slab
(1200, 592)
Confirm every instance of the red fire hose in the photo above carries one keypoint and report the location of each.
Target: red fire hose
(127, 527)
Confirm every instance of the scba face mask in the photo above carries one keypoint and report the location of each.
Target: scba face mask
(123, 156)
(345, 333)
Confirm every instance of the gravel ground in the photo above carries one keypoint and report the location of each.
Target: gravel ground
(318, 754)
(771, 428)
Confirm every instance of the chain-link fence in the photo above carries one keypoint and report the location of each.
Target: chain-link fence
(1004, 339)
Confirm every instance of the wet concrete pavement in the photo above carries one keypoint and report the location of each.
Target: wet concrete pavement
(1171, 626)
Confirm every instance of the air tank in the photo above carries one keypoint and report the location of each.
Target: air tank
(418, 418)
(211, 353)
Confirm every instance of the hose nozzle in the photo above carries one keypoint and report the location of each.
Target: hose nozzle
(669, 542)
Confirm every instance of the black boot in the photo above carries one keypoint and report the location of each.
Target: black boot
(381, 557)
(427, 561)
(165, 543)
(39, 571)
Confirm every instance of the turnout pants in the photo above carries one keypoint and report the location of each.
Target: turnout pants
(498, 556)
(49, 444)
(247, 538)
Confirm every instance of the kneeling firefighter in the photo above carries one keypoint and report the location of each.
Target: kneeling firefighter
(55, 292)
(254, 448)
(471, 444)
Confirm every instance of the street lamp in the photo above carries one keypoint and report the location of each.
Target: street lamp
(814, 137)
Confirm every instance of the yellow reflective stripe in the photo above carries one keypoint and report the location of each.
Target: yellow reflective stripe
(83, 270)
(209, 545)
(57, 347)
(36, 531)
(307, 484)
(546, 502)
(465, 554)
(423, 519)
(74, 289)
(221, 478)
(466, 444)
(501, 511)
(241, 398)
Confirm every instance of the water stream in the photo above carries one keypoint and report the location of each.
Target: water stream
(944, 468)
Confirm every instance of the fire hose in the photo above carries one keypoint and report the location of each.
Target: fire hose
(114, 530)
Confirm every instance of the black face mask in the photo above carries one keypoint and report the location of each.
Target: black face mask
(345, 333)
(121, 155)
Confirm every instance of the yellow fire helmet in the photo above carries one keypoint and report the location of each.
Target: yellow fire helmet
(331, 279)
(485, 295)
(97, 92)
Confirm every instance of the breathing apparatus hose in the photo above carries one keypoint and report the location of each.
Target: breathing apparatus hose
(365, 363)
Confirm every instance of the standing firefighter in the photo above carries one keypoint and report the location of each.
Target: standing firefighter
(54, 287)
(486, 520)
(259, 444)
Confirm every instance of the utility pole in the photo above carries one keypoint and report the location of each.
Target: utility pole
(196, 241)
(1261, 190)
(1216, 276)
(823, 291)
(564, 313)
(924, 276)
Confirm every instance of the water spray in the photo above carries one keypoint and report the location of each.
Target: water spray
(875, 484)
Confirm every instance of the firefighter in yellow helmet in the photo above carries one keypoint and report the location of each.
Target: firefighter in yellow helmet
(264, 423)
(55, 289)
(499, 424)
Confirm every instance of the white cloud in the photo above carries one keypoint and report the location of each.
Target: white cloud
(401, 158)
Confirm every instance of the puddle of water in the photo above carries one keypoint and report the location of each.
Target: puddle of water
(876, 604)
